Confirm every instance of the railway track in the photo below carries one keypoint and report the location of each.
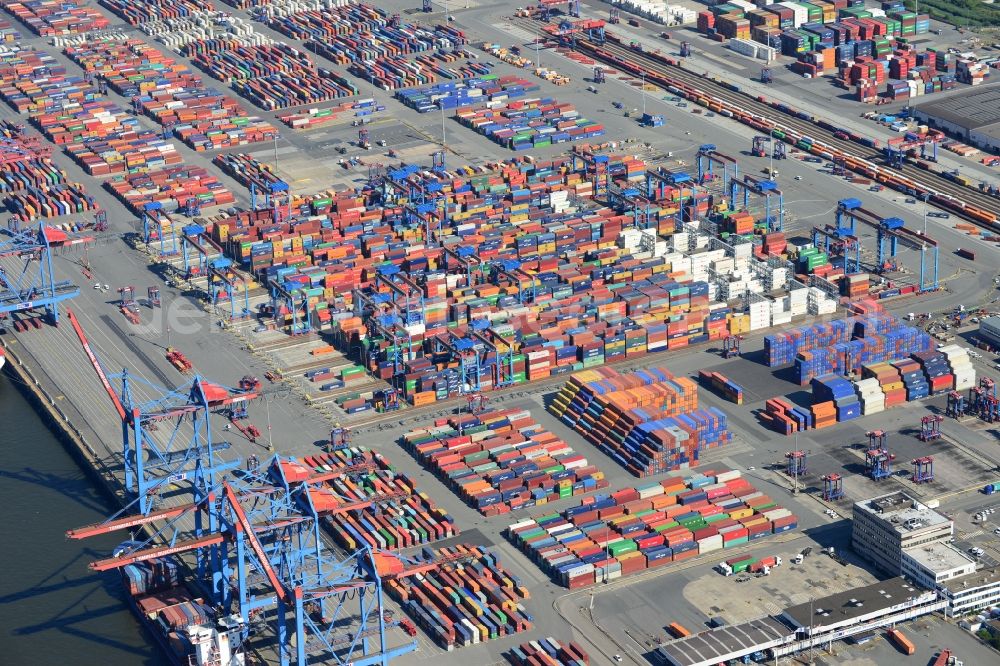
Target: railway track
(938, 183)
(966, 202)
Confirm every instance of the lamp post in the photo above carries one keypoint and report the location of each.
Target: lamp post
(770, 159)
(644, 93)
(444, 139)
(267, 409)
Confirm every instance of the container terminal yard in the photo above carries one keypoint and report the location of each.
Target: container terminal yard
(494, 334)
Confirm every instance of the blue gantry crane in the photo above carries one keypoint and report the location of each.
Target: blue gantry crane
(27, 279)
(839, 242)
(765, 191)
(630, 200)
(272, 570)
(290, 306)
(510, 270)
(710, 161)
(226, 285)
(596, 168)
(463, 258)
(253, 533)
(892, 232)
(466, 351)
(195, 250)
(277, 193)
(157, 227)
(659, 180)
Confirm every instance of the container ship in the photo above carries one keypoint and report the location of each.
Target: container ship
(188, 630)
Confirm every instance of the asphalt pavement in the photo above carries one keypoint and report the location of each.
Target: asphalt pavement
(295, 428)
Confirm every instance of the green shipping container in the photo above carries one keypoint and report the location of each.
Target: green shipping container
(622, 547)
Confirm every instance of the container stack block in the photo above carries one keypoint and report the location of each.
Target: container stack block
(648, 420)
(473, 601)
(501, 461)
(611, 536)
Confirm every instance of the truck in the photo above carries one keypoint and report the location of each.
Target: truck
(765, 564)
(677, 630)
(901, 642)
(735, 565)
(942, 659)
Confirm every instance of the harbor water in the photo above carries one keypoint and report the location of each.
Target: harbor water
(53, 610)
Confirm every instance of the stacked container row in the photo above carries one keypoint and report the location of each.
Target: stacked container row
(480, 90)
(882, 385)
(848, 357)
(501, 283)
(32, 186)
(548, 652)
(504, 460)
(173, 188)
(720, 384)
(272, 76)
(781, 348)
(135, 13)
(52, 18)
(648, 420)
(370, 505)
(8, 33)
(609, 537)
(468, 603)
(395, 72)
(314, 117)
(530, 123)
(172, 94)
(248, 170)
(373, 45)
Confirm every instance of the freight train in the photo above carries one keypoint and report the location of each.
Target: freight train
(865, 168)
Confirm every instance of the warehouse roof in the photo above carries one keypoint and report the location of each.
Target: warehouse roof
(983, 577)
(852, 604)
(724, 643)
(972, 109)
(938, 557)
(992, 131)
(903, 513)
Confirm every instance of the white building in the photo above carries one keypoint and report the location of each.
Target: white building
(933, 564)
(989, 330)
(885, 526)
(873, 606)
(972, 592)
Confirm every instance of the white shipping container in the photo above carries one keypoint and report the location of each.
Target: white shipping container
(651, 491)
(867, 409)
(744, 47)
(767, 53)
(801, 15)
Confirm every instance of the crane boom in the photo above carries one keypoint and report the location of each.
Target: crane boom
(325, 508)
(255, 544)
(156, 552)
(341, 472)
(129, 522)
(97, 366)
